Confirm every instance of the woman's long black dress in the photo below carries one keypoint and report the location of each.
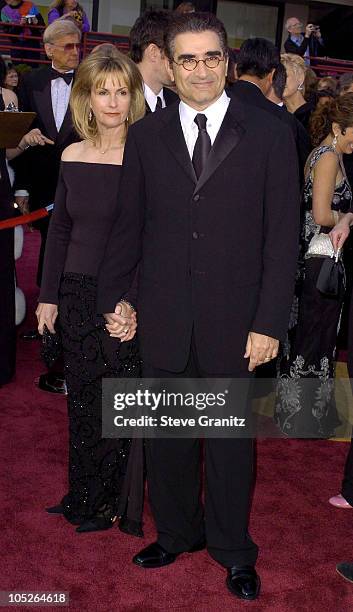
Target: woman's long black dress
(7, 275)
(85, 206)
(305, 405)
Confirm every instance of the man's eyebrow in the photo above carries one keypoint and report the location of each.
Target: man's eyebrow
(183, 56)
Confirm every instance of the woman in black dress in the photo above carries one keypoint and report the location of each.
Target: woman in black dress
(107, 96)
(305, 405)
(7, 261)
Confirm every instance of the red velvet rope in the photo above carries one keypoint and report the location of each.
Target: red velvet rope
(23, 219)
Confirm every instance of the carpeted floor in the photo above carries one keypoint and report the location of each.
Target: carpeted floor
(301, 537)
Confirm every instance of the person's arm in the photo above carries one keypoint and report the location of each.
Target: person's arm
(85, 24)
(324, 180)
(281, 238)
(123, 250)
(31, 139)
(341, 231)
(56, 247)
(292, 47)
(53, 15)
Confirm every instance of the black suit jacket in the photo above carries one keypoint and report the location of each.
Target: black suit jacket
(169, 97)
(248, 93)
(38, 168)
(316, 49)
(217, 255)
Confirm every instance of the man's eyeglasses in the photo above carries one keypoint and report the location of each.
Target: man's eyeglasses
(191, 64)
(69, 47)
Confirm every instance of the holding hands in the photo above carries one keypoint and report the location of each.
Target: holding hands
(122, 323)
(260, 349)
(46, 315)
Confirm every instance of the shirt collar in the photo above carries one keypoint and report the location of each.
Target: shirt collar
(212, 112)
(66, 72)
(151, 97)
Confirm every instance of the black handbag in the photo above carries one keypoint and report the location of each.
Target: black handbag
(51, 348)
(331, 279)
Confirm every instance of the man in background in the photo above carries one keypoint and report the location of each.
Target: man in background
(147, 51)
(46, 91)
(304, 43)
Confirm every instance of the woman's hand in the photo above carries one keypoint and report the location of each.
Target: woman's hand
(340, 232)
(34, 138)
(46, 315)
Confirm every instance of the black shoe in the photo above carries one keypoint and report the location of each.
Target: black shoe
(131, 527)
(345, 570)
(155, 555)
(31, 334)
(100, 523)
(55, 509)
(243, 582)
(52, 382)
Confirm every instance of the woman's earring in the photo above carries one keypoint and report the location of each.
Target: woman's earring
(90, 116)
(334, 142)
(301, 87)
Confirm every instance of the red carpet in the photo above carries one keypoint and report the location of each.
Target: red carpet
(301, 537)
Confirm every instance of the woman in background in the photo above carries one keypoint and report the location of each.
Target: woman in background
(69, 9)
(305, 404)
(11, 79)
(106, 98)
(294, 92)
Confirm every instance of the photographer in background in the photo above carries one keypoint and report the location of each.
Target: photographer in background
(304, 43)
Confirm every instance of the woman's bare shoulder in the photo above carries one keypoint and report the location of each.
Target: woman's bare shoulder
(73, 152)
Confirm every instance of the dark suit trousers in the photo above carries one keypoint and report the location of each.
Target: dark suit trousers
(174, 488)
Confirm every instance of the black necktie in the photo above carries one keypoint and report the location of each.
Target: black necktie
(202, 145)
(159, 105)
(67, 76)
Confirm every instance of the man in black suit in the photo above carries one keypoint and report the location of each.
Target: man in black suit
(46, 91)
(202, 212)
(147, 51)
(258, 63)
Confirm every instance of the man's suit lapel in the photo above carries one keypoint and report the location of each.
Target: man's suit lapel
(43, 104)
(66, 126)
(228, 137)
(172, 135)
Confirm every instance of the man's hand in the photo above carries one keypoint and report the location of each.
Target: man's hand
(22, 203)
(309, 30)
(340, 232)
(122, 323)
(34, 138)
(46, 315)
(260, 349)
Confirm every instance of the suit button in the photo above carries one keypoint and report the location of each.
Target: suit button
(195, 235)
(196, 198)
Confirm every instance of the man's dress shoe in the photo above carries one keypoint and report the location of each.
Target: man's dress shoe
(345, 570)
(243, 582)
(155, 555)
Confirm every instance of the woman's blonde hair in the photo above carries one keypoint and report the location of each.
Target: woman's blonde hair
(92, 74)
(297, 64)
